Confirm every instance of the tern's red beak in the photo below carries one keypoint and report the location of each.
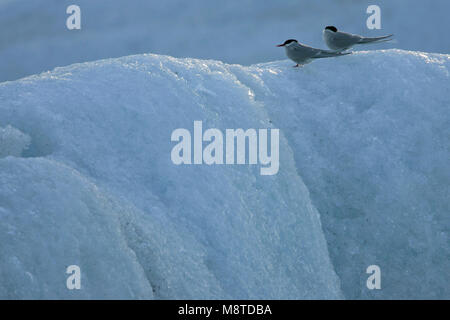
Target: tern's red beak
(280, 45)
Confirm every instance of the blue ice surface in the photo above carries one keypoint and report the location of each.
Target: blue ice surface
(86, 179)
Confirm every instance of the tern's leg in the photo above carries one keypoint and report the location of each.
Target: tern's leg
(296, 66)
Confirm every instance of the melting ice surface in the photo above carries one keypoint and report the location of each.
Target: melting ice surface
(364, 179)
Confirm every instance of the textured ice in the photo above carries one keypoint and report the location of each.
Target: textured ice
(193, 231)
(53, 217)
(12, 142)
(370, 139)
(34, 37)
(363, 143)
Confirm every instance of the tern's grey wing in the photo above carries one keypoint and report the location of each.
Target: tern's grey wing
(376, 39)
(301, 53)
(343, 40)
(329, 54)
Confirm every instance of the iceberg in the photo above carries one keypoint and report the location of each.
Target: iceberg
(363, 180)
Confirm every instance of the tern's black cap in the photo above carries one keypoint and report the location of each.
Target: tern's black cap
(332, 28)
(289, 41)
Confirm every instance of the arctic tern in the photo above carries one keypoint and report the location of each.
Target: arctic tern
(341, 41)
(303, 54)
